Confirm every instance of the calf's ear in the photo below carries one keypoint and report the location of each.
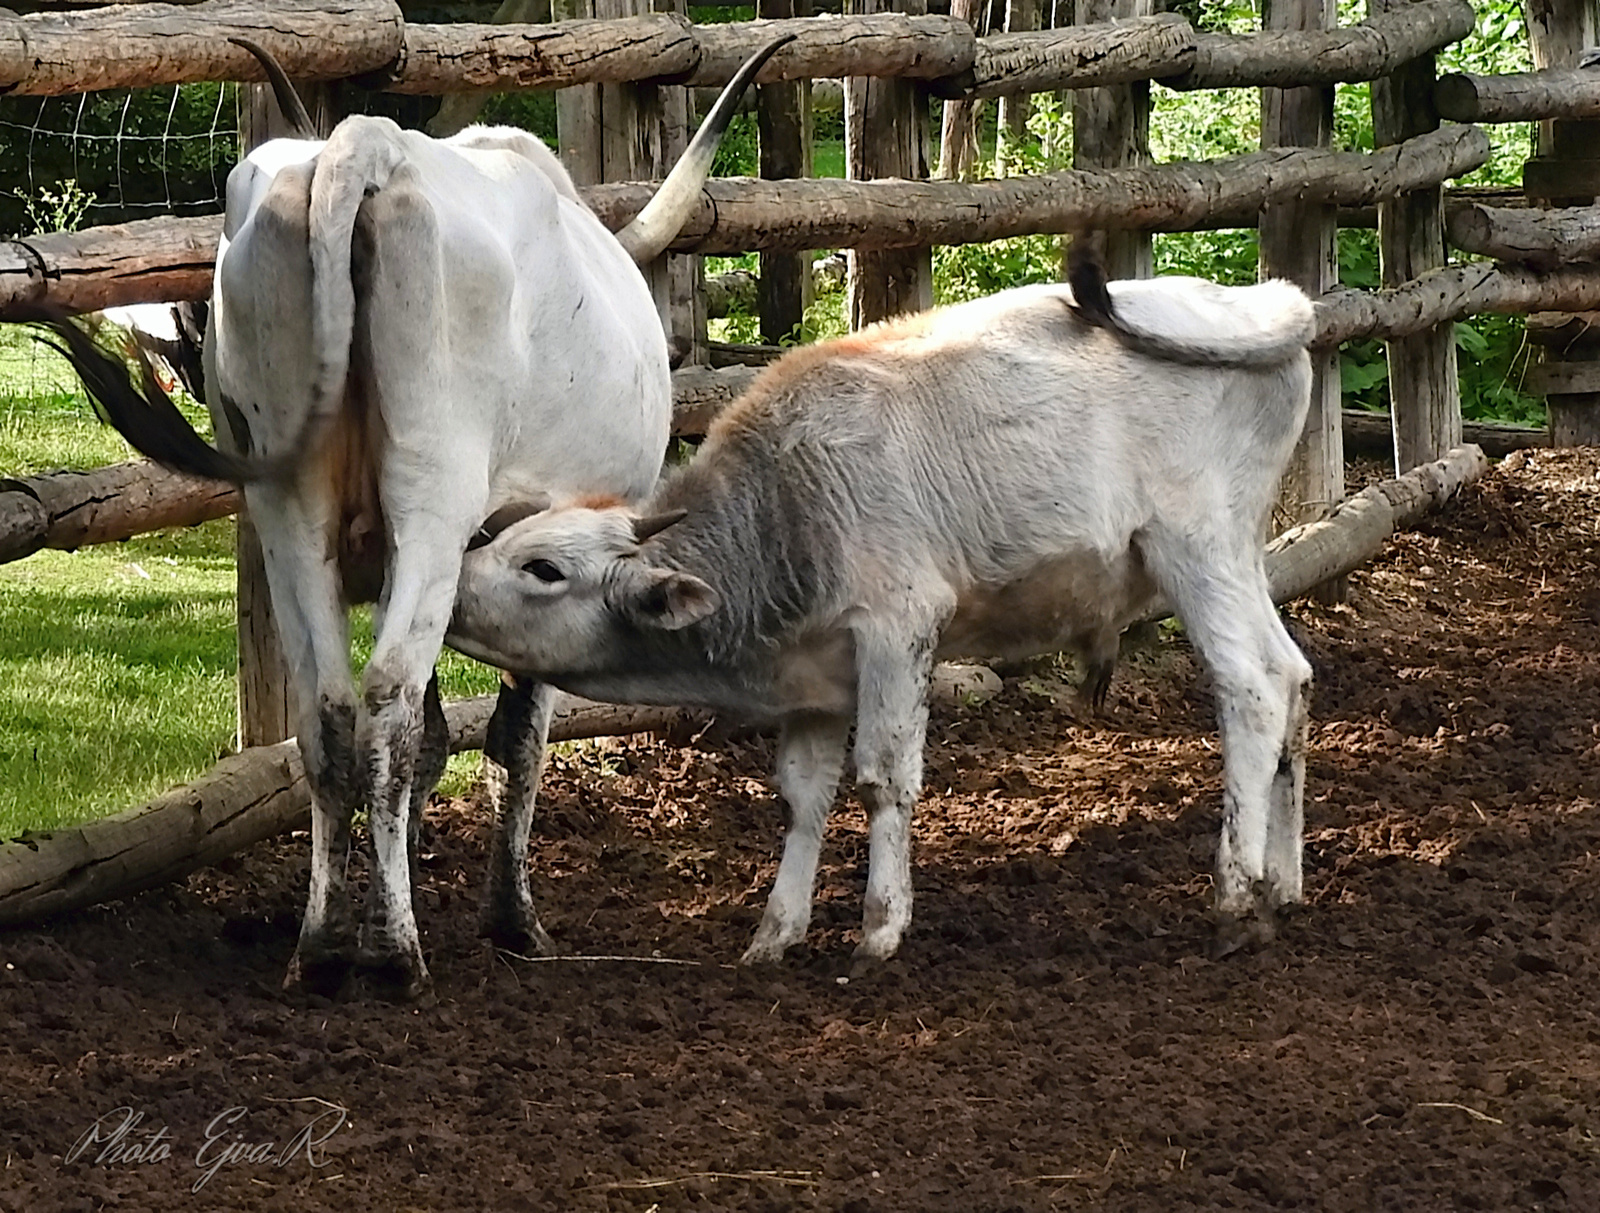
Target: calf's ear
(668, 601)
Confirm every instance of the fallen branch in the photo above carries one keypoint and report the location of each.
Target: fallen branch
(262, 792)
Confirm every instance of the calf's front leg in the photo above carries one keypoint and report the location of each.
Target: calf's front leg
(811, 752)
(514, 757)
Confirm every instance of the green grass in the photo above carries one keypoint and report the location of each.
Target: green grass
(117, 662)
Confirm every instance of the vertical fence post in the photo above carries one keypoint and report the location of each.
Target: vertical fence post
(783, 116)
(265, 701)
(1565, 173)
(1299, 242)
(1424, 389)
(1011, 129)
(886, 135)
(1111, 129)
(958, 128)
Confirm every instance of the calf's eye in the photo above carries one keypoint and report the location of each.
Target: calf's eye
(544, 571)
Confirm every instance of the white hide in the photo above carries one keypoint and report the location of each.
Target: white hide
(995, 478)
(489, 341)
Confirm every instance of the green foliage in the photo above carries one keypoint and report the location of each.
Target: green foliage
(739, 153)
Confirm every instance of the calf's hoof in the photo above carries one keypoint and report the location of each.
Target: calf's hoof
(517, 933)
(1243, 932)
(319, 971)
(394, 976)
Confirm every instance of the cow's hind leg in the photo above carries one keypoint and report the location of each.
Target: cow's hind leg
(315, 639)
(514, 756)
(1262, 687)
(811, 751)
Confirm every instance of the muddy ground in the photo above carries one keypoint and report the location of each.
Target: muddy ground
(1424, 1035)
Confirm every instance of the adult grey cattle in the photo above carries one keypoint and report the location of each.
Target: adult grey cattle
(1006, 477)
(405, 335)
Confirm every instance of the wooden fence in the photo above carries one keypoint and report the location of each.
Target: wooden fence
(635, 70)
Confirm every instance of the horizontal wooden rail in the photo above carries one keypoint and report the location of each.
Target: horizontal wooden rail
(1450, 294)
(1543, 239)
(70, 510)
(739, 216)
(156, 260)
(1291, 59)
(1556, 92)
(1076, 56)
(666, 47)
(138, 45)
(141, 45)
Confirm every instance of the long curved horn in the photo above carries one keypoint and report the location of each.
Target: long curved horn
(294, 110)
(658, 224)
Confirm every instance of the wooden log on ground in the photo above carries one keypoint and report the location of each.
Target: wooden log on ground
(140, 45)
(1307, 556)
(1373, 434)
(1542, 239)
(1451, 293)
(69, 510)
(1557, 92)
(260, 793)
(1300, 59)
(1076, 56)
(148, 260)
(662, 46)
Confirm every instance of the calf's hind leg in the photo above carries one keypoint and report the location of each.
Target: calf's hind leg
(892, 674)
(1262, 685)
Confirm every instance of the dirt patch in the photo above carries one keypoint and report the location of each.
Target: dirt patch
(1423, 1036)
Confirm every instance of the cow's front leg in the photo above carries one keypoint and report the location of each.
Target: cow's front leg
(811, 752)
(891, 729)
(514, 755)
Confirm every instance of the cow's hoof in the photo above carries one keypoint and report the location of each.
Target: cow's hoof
(396, 977)
(520, 935)
(1243, 932)
(316, 971)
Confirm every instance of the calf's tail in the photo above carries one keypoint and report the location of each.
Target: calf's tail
(1205, 324)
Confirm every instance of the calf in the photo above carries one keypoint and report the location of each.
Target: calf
(1003, 478)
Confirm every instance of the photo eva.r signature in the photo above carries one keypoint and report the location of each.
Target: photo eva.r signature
(119, 1138)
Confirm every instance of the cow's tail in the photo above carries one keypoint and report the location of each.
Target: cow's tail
(663, 217)
(1201, 324)
(131, 399)
(357, 161)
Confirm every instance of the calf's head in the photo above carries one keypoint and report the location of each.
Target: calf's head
(569, 591)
